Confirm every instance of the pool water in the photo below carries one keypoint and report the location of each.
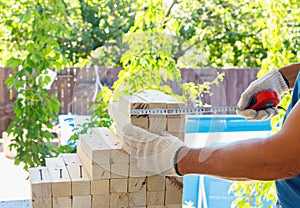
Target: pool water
(210, 192)
(226, 123)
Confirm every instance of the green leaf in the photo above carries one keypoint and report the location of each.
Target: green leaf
(12, 63)
(47, 79)
(25, 17)
(29, 70)
(10, 82)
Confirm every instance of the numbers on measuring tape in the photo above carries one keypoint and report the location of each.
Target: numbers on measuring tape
(184, 111)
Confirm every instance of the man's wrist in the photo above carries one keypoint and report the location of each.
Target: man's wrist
(178, 160)
(285, 79)
(290, 72)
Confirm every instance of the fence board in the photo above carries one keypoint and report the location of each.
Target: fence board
(3, 89)
(7, 97)
(71, 81)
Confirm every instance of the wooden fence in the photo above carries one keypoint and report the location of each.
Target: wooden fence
(6, 101)
(74, 87)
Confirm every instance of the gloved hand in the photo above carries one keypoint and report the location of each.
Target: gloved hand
(154, 153)
(274, 81)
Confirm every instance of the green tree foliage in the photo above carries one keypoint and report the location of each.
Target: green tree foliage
(94, 23)
(36, 39)
(147, 50)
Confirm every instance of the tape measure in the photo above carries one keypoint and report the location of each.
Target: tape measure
(260, 101)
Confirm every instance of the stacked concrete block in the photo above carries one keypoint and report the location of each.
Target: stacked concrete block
(150, 99)
(61, 183)
(157, 123)
(173, 194)
(137, 191)
(41, 187)
(80, 181)
(102, 174)
(126, 103)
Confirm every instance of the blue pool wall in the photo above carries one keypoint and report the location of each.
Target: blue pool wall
(227, 123)
(216, 189)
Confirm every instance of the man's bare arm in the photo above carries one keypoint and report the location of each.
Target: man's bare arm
(276, 157)
(290, 72)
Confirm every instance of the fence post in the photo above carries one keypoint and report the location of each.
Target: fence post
(6, 104)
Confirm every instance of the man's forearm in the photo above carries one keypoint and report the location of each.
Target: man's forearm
(290, 73)
(225, 161)
(246, 160)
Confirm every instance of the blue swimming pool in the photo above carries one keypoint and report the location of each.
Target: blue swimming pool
(229, 123)
(210, 192)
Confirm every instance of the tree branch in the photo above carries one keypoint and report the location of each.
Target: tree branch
(169, 12)
(182, 52)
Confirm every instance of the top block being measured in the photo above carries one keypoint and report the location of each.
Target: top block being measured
(126, 103)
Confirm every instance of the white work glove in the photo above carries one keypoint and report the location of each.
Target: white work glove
(271, 81)
(155, 154)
